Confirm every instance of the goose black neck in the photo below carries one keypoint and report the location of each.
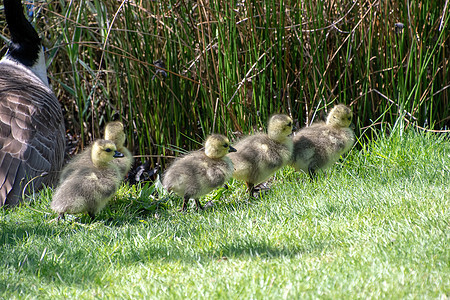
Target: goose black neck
(25, 42)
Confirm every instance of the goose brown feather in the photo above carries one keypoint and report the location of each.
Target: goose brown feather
(32, 134)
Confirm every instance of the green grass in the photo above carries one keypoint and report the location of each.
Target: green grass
(374, 226)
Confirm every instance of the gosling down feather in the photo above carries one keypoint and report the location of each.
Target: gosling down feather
(259, 156)
(114, 132)
(320, 145)
(91, 184)
(199, 172)
(32, 134)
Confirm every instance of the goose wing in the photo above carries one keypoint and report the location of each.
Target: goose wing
(32, 139)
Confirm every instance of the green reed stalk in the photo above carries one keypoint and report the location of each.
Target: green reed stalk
(230, 65)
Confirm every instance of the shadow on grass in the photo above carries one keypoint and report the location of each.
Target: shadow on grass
(81, 252)
(78, 254)
(80, 266)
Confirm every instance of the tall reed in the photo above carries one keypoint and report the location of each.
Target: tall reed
(230, 64)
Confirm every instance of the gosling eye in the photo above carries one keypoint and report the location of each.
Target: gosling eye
(225, 145)
(289, 124)
(108, 150)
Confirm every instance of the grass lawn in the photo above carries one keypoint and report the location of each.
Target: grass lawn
(375, 226)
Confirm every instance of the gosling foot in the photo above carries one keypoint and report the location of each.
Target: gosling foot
(92, 215)
(184, 206)
(199, 205)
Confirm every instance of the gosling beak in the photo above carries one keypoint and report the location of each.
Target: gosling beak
(231, 149)
(294, 129)
(117, 154)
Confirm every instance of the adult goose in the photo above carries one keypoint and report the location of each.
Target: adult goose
(32, 139)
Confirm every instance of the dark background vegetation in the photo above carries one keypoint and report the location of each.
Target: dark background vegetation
(231, 64)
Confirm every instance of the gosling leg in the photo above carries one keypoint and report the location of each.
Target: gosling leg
(250, 189)
(312, 173)
(184, 206)
(59, 217)
(92, 215)
(199, 205)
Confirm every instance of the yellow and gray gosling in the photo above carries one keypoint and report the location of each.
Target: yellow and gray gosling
(259, 156)
(113, 132)
(199, 172)
(32, 134)
(320, 145)
(92, 183)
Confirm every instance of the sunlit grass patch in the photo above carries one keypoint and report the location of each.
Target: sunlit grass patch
(368, 227)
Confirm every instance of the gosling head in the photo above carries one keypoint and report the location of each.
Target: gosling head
(217, 146)
(340, 116)
(279, 127)
(104, 151)
(114, 132)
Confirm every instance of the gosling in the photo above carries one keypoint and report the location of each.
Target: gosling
(92, 183)
(261, 155)
(320, 145)
(113, 132)
(199, 172)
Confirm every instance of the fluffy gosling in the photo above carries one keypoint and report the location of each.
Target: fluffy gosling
(259, 156)
(320, 145)
(114, 132)
(199, 172)
(92, 183)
